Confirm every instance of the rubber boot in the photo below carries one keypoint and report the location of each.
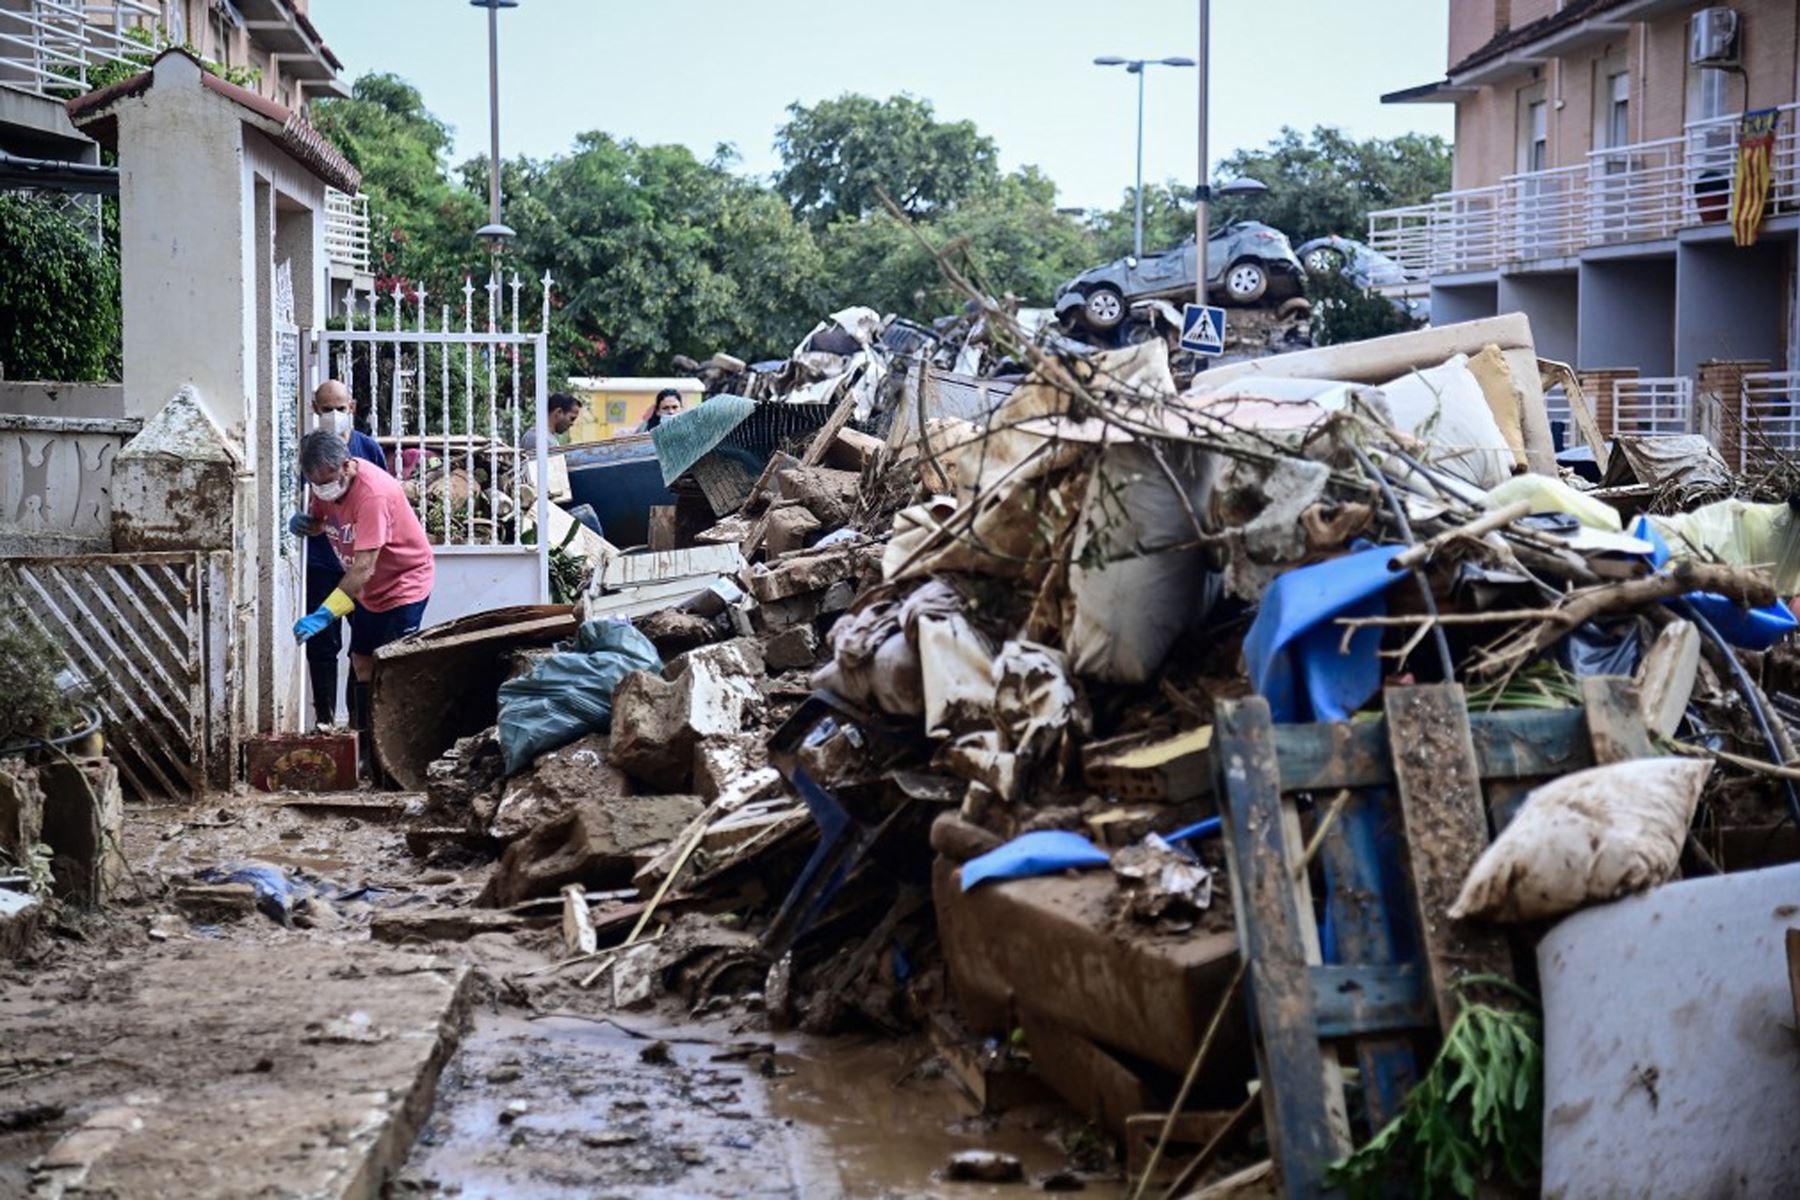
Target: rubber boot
(324, 690)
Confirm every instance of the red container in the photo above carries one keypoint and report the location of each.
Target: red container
(301, 762)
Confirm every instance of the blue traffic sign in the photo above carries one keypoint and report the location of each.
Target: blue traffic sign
(1203, 329)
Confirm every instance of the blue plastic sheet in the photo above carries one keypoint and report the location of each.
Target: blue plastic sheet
(570, 693)
(1042, 853)
(1747, 628)
(1293, 645)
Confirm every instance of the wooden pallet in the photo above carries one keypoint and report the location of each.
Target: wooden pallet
(1416, 792)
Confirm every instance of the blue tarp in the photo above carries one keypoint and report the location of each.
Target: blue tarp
(1042, 853)
(1293, 645)
(570, 693)
(1748, 628)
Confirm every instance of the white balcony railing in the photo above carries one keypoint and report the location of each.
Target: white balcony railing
(1652, 407)
(1769, 414)
(1543, 213)
(1643, 192)
(53, 46)
(347, 232)
(1634, 193)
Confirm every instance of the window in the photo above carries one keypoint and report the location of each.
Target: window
(1537, 146)
(1617, 99)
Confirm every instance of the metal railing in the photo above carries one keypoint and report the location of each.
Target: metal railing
(52, 46)
(1634, 192)
(1769, 413)
(1709, 177)
(1468, 230)
(1405, 235)
(1543, 213)
(1652, 407)
(1637, 193)
(347, 231)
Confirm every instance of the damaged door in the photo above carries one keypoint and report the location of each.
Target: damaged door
(151, 635)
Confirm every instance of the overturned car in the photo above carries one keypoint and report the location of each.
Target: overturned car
(1248, 261)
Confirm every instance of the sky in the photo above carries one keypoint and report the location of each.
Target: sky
(706, 72)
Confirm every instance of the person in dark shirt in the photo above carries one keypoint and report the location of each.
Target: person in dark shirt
(334, 412)
(668, 404)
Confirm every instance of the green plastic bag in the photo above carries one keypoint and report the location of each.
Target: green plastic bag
(570, 693)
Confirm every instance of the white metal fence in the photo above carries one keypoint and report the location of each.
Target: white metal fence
(1769, 414)
(52, 45)
(1656, 407)
(450, 408)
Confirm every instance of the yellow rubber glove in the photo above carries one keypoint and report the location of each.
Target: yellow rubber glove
(340, 604)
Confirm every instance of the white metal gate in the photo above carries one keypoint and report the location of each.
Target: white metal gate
(151, 634)
(450, 408)
(1652, 407)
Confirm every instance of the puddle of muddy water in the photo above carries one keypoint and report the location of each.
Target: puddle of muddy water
(561, 1107)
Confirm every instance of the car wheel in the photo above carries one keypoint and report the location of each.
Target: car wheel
(1246, 281)
(1323, 260)
(1104, 308)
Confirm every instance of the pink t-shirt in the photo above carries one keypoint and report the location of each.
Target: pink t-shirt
(373, 514)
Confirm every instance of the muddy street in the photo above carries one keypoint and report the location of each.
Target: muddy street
(176, 1045)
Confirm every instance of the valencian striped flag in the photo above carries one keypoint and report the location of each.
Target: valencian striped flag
(1756, 149)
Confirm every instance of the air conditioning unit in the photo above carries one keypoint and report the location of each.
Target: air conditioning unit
(1713, 38)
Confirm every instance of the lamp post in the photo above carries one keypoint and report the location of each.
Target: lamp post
(1135, 66)
(1203, 190)
(494, 233)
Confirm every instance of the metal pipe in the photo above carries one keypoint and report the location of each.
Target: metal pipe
(1137, 237)
(1203, 192)
(494, 114)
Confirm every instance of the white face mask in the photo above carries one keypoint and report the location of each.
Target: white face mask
(331, 492)
(335, 420)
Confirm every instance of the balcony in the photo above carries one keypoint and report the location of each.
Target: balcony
(54, 47)
(1627, 194)
(347, 237)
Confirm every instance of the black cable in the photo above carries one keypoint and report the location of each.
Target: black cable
(1751, 693)
(1399, 515)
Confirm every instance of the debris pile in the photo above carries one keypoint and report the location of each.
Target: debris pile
(927, 710)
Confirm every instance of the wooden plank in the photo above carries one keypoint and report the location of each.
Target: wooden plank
(662, 527)
(1439, 783)
(1512, 744)
(1359, 911)
(627, 570)
(1615, 719)
(1302, 1084)
(1793, 961)
(1358, 1000)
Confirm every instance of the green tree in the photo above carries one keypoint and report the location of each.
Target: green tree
(839, 155)
(1344, 312)
(1325, 182)
(1168, 221)
(1012, 238)
(423, 222)
(659, 253)
(59, 296)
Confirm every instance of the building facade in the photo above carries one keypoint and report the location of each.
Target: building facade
(1597, 145)
(51, 50)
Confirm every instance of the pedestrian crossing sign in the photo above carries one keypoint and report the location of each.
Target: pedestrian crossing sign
(1203, 329)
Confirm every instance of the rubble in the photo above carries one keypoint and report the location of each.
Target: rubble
(947, 610)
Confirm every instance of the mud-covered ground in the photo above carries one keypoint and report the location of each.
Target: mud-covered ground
(227, 1030)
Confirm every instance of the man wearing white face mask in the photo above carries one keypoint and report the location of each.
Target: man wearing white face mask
(333, 412)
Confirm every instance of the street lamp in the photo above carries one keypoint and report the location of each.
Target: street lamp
(1135, 66)
(495, 233)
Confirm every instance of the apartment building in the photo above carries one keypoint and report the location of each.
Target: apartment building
(51, 50)
(1595, 173)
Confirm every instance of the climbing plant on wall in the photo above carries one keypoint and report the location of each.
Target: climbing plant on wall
(59, 296)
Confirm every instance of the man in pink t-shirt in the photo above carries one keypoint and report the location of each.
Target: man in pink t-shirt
(387, 561)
